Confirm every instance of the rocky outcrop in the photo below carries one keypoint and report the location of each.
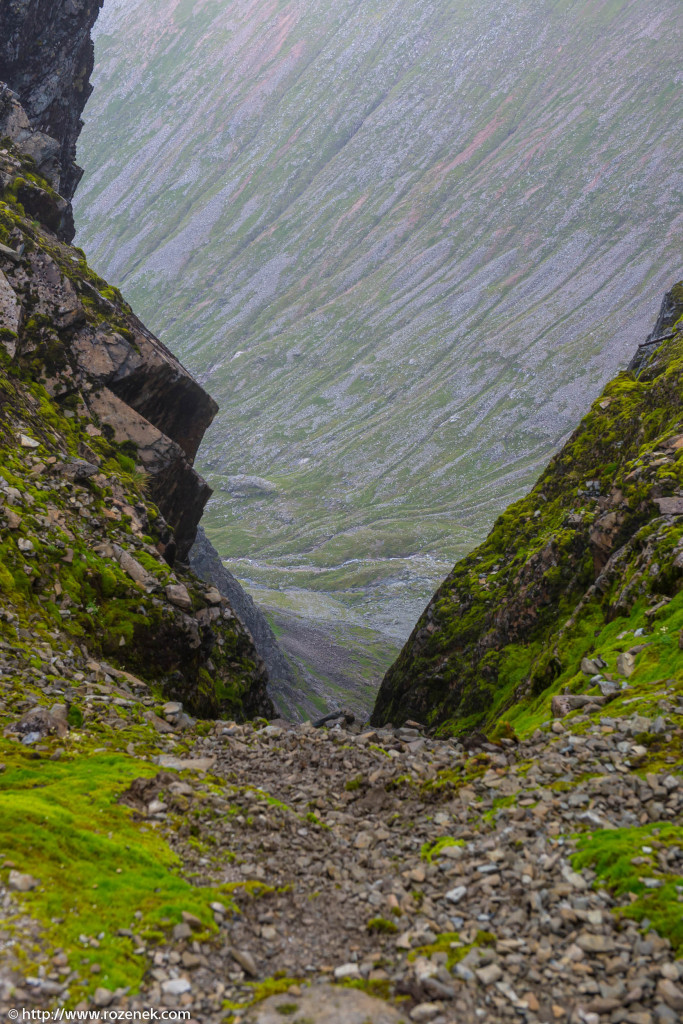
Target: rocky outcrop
(46, 57)
(206, 562)
(88, 347)
(597, 540)
(671, 310)
(115, 421)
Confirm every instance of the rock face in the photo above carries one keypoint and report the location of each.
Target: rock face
(89, 344)
(206, 562)
(97, 500)
(96, 410)
(46, 57)
(598, 540)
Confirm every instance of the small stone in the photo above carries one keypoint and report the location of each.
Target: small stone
(245, 960)
(590, 943)
(132, 567)
(103, 997)
(177, 594)
(175, 986)
(626, 664)
(347, 972)
(424, 1012)
(22, 883)
(670, 993)
(213, 596)
(489, 974)
(456, 894)
(194, 922)
(28, 442)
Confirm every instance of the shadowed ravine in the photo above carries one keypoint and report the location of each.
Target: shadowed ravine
(402, 243)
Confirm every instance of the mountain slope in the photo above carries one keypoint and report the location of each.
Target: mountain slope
(405, 242)
(570, 578)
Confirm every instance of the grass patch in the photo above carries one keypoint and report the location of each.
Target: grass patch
(611, 853)
(97, 868)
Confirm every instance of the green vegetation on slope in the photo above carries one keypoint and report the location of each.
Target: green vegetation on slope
(629, 861)
(99, 872)
(586, 563)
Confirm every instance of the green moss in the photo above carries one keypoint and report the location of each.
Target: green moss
(258, 991)
(378, 988)
(380, 926)
(98, 870)
(611, 854)
(351, 785)
(432, 849)
(450, 944)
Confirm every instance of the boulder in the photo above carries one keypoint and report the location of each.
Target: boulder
(324, 1004)
(177, 594)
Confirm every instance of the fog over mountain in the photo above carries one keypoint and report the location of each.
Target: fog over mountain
(403, 244)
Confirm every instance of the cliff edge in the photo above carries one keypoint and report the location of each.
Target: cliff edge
(46, 57)
(99, 422)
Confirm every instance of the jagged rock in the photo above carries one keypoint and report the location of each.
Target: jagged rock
(78, 469)
(670, 311)
(50, 71)
(626, 664)
(179, 491)
(670, 506)
(178, 595)
(10, 314)
(14, 124)
(461, 653)
(335, 716)
(143, 374)
(40, 722)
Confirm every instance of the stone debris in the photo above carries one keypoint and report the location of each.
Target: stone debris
(439, 875)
